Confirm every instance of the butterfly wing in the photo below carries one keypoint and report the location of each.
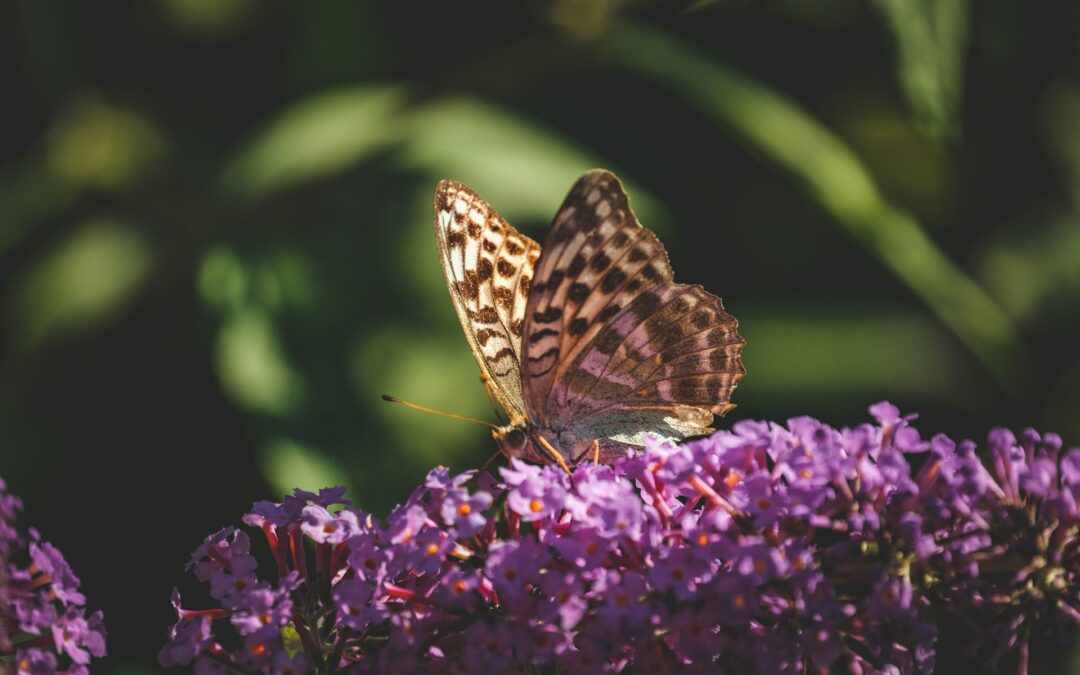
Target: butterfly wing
(488, 267)
(667, 364)
(597, 259)
(613, 348)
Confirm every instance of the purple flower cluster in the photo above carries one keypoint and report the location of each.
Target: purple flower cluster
(43, 623)
(768, 548)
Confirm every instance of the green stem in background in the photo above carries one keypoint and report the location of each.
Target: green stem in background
(781, 131)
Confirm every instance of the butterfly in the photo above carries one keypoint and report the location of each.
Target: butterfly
(587, 344)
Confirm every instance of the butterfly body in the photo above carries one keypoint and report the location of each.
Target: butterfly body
(588, 344)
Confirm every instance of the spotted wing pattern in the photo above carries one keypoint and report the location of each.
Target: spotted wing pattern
(597, 259)
(613, 348)
(488, 267)
(667, 363)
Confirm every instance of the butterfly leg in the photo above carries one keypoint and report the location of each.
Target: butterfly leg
(555, 454)
(491, 459)
(596, 451)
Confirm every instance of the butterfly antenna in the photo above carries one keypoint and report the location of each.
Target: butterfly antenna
(394, 399)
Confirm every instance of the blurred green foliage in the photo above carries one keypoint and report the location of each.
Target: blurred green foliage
(216, 245)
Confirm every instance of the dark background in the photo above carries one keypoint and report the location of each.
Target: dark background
(216, 246)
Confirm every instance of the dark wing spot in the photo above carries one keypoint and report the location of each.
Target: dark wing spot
(578, 326)
(502, 353)
(467, 286)
(577, 292)
(551, 352)
(600, 262)
(554, 280)
(513, 247)
(539, 335)
(608, 341)
(455, 239)
(474, 230)
(608, 313)
(680, 306)
(716, 337)
(646, 304)
(612, 280)
(485, 334)
(620, 239)
(484, 269)
(489, 245)
(576, 265)
(685, 388)
(552, 315)
(718, 360)
(638, 254)
(505, 268)
(516, 327)
(504, 297)
(523, 286)
(486, 315)
(650, 272)
(701, 320)
(633, 286)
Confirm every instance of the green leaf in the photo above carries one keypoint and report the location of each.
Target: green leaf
(316, 138)
(782, 132)
(931, 40)
(81, 282)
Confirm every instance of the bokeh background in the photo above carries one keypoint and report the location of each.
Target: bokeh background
(216, 247)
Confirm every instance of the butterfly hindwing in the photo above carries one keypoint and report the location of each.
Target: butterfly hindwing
(489, 268)
(673, 347)
(597, 258)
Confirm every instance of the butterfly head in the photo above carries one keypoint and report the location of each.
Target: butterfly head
(513, 440)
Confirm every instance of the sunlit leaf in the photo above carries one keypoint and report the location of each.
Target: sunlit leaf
(97, 144)
(1032, 269)
(222, 280)
(436, 371)
(82, 282)
(315, 138)
(518, 165)
(784, 133)
(931, 40)
(208, 17)
(252, 364)
(810, 354)
(287, 464)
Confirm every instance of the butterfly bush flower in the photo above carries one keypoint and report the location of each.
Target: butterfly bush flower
(44, 627)
(768, 548)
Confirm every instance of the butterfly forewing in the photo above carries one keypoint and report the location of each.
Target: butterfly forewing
(613, 348)
(597, 258)
(489, 268)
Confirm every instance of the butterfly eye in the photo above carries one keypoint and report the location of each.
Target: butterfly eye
(516, 438)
